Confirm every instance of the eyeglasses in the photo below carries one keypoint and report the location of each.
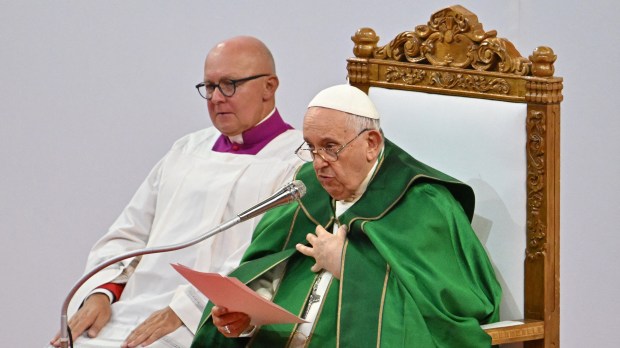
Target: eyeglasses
(227, 87)
(328, 154)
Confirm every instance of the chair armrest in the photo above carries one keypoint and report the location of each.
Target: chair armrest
(515, 331)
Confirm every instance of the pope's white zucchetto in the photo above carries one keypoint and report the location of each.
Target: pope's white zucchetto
(346, 98)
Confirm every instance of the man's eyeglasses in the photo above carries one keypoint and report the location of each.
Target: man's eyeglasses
(227, 87)
(329, 154)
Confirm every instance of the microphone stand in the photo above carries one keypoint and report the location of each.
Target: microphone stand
(288, 193)
(64, 332)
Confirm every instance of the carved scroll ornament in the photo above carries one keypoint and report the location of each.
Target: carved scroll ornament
(536, 235)
(453, 37)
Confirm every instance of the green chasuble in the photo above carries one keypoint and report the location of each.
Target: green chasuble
(413, 274)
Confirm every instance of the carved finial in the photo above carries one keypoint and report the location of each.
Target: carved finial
(365, 40)
(542, 62)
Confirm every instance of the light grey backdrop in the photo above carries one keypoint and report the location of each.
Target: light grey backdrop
(92, 94)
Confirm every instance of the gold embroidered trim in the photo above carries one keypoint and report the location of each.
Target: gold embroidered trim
(290, 229)
(379, 324)
(342, 265)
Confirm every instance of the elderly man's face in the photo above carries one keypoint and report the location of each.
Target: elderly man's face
(243, 110)
(328, 128)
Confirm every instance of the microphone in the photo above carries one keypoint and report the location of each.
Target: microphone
(288, 193)
(293, 191)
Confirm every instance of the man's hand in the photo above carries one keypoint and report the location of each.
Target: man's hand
(92, 316)
(326, 249)
(156, 326)
(230, 324)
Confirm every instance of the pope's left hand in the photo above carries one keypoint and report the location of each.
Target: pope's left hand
(326, 249)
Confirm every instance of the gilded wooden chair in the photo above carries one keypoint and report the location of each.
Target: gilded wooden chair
(466, 102)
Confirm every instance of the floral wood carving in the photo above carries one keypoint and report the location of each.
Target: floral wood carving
(536, 228)
(453, 37)
(446, 80)
(470, 82)
(407, 76)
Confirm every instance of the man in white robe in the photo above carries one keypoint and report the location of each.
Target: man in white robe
(205, 179)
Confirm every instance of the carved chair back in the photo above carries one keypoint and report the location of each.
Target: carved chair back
(465, 101)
